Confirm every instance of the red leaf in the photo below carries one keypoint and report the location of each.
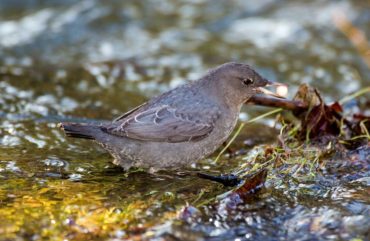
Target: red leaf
(252, 185)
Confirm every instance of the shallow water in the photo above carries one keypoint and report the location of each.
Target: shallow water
(92, 60)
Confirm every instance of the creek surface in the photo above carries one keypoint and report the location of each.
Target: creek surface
(69, 60)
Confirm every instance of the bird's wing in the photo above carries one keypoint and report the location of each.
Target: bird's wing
(166, 124)
(124, 115)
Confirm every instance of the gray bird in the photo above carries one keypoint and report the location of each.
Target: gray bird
(180, 126)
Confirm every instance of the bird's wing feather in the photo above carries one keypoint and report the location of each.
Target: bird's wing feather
(124, 115)
(166, 124)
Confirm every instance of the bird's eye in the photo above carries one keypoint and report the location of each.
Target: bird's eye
(248, 81)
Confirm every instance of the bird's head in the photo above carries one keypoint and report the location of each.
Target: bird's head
(238, 82)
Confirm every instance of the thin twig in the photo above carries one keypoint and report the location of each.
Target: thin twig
(241, 127)
(354, 95)
(277, 102)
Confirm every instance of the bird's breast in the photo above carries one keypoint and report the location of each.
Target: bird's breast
(226, 125)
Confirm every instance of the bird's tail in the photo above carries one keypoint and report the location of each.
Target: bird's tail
(78, 130)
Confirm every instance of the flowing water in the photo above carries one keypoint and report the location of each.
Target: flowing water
(69, 60)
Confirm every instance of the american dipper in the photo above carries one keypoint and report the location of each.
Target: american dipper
(180, 126)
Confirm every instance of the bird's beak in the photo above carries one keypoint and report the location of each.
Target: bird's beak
(279, 86)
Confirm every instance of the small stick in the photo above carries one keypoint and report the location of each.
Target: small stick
(277, 102)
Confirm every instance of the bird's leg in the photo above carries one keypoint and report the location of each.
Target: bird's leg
(228, 180)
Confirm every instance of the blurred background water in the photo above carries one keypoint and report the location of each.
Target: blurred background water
(91, 60)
